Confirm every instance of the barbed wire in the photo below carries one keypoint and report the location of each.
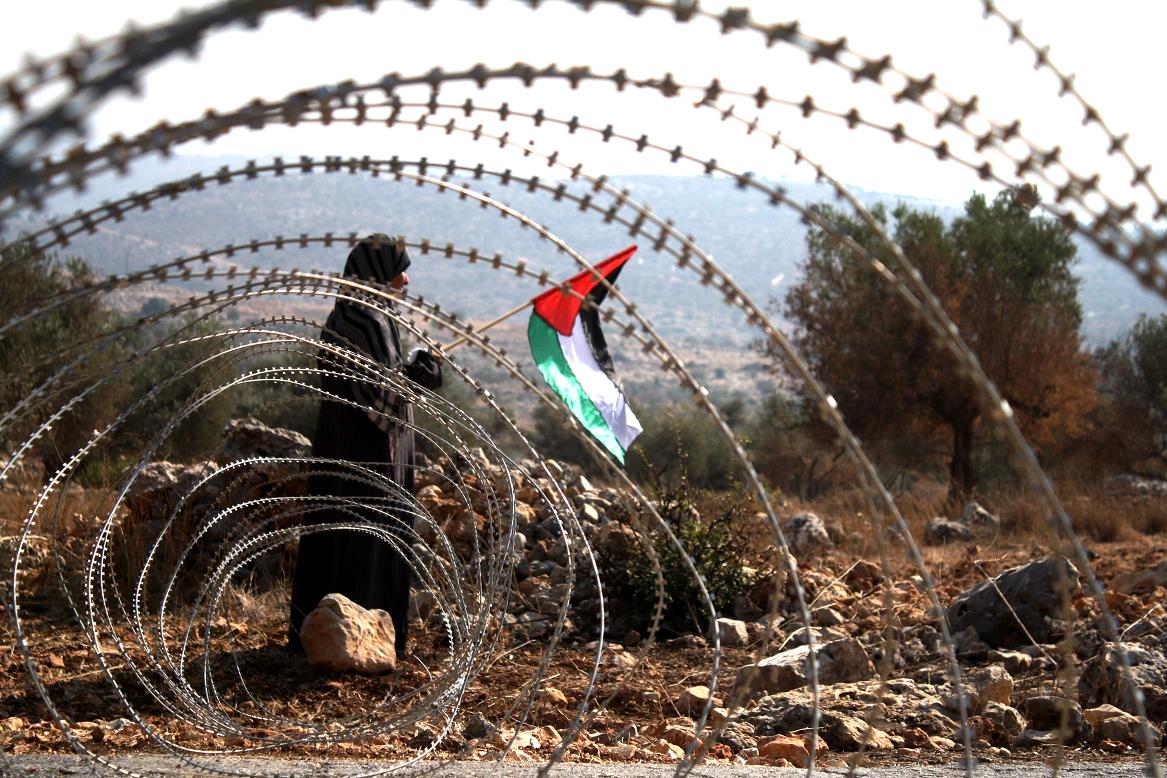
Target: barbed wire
(1105, 230)
(472, 592)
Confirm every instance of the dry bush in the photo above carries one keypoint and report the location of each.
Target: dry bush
(59, 511)
(1095, 513)
(256, 606)
(13, 509)
(850, 510)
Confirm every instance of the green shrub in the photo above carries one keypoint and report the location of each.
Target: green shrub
(1131, 428)
(693, 446)
(708, 527)
(34, 351)
(279, 404)
(200, 433)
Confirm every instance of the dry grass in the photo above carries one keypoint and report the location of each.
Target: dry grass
(59, 514)
(851, 510)
(1097, 514)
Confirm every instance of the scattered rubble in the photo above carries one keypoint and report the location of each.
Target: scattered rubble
(762, 708)
(1103, 679)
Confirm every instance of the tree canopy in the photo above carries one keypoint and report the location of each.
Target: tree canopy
(39, 349)
(1134, 397)
(1002, 273)
(31, 353)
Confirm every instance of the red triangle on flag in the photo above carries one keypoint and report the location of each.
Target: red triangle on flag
(560, 309)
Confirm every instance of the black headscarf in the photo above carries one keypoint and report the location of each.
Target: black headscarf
(361, 326)
(377, 258)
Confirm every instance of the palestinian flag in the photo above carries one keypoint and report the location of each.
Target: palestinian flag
(572, 355)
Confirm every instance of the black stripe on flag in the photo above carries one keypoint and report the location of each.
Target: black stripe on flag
(589, 318)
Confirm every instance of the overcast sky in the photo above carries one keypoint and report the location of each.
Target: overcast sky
(1114, 48)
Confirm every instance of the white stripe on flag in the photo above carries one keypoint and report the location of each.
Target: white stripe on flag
(606, 396)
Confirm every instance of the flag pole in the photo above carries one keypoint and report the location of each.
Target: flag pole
(564, 288)
(459, 341)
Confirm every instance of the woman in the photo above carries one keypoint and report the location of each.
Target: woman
(376, 434)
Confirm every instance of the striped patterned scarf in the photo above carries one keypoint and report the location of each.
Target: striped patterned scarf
(366, 329)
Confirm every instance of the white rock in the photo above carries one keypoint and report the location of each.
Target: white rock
(807, 535)
(341, 636)
(837, 661)
(993, 684)
(978, 518)
(732, 632)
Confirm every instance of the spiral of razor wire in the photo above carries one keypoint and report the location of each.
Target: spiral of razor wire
(156, 601)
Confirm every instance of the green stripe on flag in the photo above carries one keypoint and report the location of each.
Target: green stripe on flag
(557, 372)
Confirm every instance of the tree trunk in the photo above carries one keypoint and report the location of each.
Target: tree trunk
(962, 478)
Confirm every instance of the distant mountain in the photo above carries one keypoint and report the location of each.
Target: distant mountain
(761, 246)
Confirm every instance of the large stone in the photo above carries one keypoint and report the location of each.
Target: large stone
(849, 733)
(789, 747)
(159, 486)
(738, 735)
(1015, 662)
(900, 703)
(969, 643)
(249, 437)
(525, 515)
(438, 505)
(940, 530)
(423, 605)
(1006, 724)
(1047, 712)
(838, 661)
(1110, 723)
(826, 616)
(532, 625)
(732, 632)
(1141, 582)
(160, 477)
(1034, 591)
(340, 636)
(799, 636)
(463, 527)
(978, 519)
(993, 684)
(807, 535)
(694, 699)
(1103, 680)
(278, 469)
(666, 749)
(844, 732)
(863, 576)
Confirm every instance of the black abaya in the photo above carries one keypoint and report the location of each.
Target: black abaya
(363, 568)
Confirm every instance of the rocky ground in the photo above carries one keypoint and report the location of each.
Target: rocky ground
(1041, 681)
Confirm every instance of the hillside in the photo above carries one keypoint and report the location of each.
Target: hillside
(759, 245)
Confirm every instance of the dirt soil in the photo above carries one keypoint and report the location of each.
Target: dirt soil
(272, 682)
